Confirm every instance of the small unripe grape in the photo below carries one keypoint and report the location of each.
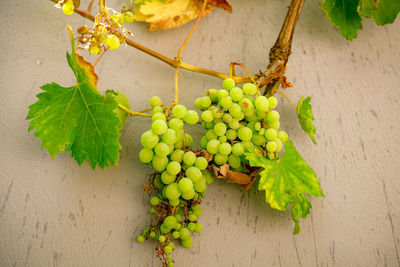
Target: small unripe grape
(117, 19)
(159, 163)
(234, 161)
(191, 225)
(203, 142)
(140, 239)
(161, 149)
(209, 177)
(283, 136)
(271, 134)
(273, 116)
(244, 134)
(224, 149)
(174, 202)
(217, 113)
(101, 37)
(154, 201)
(187, 243)
(152, 234)
(94, 49)
(205, 102)
(207, 116)
(179, 111)
(112, 42)
(189, 158)
(200, 186)
(226, 102)
(197, 103)
(275, 125)
(197, 210)
(161, 239)
(231, 134)
(194, 174)
(237, 149)
(227, 118)
(220, 129)
(212, 146)
(199, 228)
(176, 124)
(146, 155)
(164, 229)
(258, 140)
(235, 110)
(175, 234)
(128, 17)
(184, 233)
(278, 144)
(177, 155)
(228, 84)
(261, 103)
(249, 89)
(271, 146)
(155, 101)
(172, 191)
(273, 102)
(211, 135)
(167, 178)
(157, 109)
(236, 94)
(173, 168)
(149, 139)
(170, 221)
(188, 195)
(212, 94)
(191, 117)
(201, 163)
(185, 185)
(234, 124)
(220, 159)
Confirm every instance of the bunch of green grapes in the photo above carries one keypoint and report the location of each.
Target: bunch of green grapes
(181, 179)
(238, 117)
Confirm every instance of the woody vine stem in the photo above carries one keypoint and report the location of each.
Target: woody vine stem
(271, 78)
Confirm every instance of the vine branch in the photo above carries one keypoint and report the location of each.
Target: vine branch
(172, 62)
(280, 52)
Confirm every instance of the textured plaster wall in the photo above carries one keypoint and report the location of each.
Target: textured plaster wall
(54, 213)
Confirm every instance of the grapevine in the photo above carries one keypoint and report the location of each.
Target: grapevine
(242, 142)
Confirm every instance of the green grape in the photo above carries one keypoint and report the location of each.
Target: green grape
(209, 125)
(246, 105)
(188, 140)
(176, 124)
(237, 149)
(212, 94)
(140, 239)
(212, 146)
(207, 116)
(153, 211)
(258, 140)
(172, 191)
(273, 116)
(271, 155)
(179, 111)
(149, 139)
(188, 195)
(205, 102)
(191, 117)
(240, 117)
(275, 125)
(261, 103)
(158, 116)
(278, 144)
(271, 134)
(159, 163)
(252, 117)
(189, 158)
(174, 202)
(197, 103)
(184, 234)
(117, 18)
(162, 149)
(152, 234)
(227, 118)
(167, 178)
(101, 37)
(146, 155)
(177, 155)
(157, 182)
(171, 263)
(191, 225)
(159, 127)
(283, 136)
(262, 131)
(178, 217)
(194, 174)
(272, 101)
(155, 101)
(112, 42)
(154, 201)
(68, 7)
(228, 84)
(171, 244)
(170, 137)
(167, 249)
(217, 113)
(164, 229)
(200, 186)
(199, 228)
(170, 221)
(196, 196)
(128, 17)
(173, 168)
(94, 49)
(220, 129)
(226, 102)
(211, 135)
(271, 146)
(222, 139)
(178, 226)
(187, 243)
(244, 134)
(234, 124)
(257, 126)
(185, 185)
(203, 142)
(236, 94)
(157, 109)
(220, 159)
(234, 161)
(208, 176)
(162, 239)
(249, 89)
(235, 110)
(197, 210)
(176, 234)
(224, 149)
(231, 134)
(201, 163)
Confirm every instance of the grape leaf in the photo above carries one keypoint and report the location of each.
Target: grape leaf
(286, 180)
(305, 116)
(171, 14)
(78, 119)
(383, 11)
(343, 14)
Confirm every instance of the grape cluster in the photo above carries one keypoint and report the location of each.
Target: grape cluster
(181, 179)
(238, 117)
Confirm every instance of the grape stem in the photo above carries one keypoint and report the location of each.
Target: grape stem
(133, 113)
(172, 62)
(287, 99)
(98, 59)
(232, 70)
(89, 9)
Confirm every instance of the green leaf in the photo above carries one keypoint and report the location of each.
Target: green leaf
(286, 180)
(343, 14)
(383, 11)
(78, 119)
(305, 116)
